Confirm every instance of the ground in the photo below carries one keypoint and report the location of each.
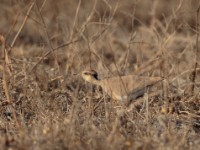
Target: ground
(45, 104)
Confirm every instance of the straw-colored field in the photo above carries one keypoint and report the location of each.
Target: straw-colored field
(45, 45)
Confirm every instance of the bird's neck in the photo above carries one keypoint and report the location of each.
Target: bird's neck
(95, 81)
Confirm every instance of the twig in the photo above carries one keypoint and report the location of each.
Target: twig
(75, 19)
(54, 49)
(193, 74)
(21, 27)
(5, 84)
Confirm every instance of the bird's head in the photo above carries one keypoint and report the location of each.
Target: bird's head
(90, 76)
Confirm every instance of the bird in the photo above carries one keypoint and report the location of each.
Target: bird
(122, 88)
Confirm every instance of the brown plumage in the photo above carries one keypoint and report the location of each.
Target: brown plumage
(122, 88)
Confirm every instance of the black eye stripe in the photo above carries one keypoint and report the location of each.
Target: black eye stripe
(94, 74)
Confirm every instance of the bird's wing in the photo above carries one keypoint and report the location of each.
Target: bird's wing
(131, 85)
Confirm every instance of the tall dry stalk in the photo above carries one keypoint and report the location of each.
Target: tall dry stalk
(5, 84)
(21, 27)
(193, 74)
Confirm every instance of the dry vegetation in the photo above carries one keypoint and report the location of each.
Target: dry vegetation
(44, 105)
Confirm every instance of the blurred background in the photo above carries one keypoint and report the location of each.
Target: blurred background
(134, 28)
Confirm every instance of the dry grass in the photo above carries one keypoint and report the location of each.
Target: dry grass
(44, 105)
